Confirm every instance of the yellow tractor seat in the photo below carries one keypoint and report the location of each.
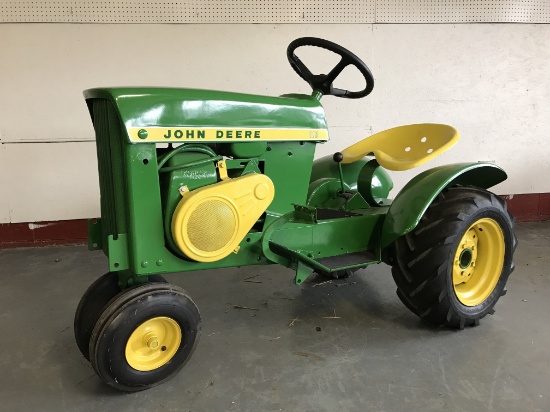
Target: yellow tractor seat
(404, 147)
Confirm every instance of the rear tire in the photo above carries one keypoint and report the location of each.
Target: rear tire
(453, 267)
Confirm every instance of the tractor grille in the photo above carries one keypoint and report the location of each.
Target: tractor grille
(110, 159)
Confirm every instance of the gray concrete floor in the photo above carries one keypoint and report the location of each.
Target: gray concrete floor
(375, 355)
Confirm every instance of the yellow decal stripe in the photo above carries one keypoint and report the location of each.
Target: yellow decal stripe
(213, 134)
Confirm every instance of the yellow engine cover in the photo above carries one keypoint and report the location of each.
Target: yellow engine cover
(210, 222)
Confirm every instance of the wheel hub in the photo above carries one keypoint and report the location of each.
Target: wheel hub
(153, 343)
(465, 258)
(478, 262)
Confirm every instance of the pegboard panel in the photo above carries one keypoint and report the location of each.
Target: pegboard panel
(221, 11)
(463, 11)
(277, 11)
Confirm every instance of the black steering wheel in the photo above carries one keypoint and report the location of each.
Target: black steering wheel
(323, 82)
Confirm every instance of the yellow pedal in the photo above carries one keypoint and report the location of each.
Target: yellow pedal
(210, 222)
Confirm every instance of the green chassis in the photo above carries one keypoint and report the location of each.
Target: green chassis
(298, 229)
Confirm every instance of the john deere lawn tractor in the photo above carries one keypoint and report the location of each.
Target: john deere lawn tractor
(198, 179)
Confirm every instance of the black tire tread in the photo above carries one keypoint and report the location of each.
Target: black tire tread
(420, 261)
(97, 296)
(118, 305)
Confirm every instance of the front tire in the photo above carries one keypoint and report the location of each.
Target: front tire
(453, 267)
(144, 336)
(89, 308)
(91, 305)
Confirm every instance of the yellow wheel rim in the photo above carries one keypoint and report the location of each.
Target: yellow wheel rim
(478, 262)
(153, 343)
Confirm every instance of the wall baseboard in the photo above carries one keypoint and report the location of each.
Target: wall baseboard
(530, 207)
(526, 208)
(63, 232)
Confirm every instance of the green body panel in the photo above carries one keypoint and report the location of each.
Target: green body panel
(147, 251)
(332, 237)
(110, 147)
(118, 253)
(326, 167)
(95, 234)
(300, 240)
(303, 271)
(242, 151)
(364, 176)
(355, 203)
(171, 107)
(413, 200)
(132, 205)
(323, 192)
(374, 183)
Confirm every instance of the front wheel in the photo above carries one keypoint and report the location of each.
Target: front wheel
(91, 305)
(453, 267)
(144, 336)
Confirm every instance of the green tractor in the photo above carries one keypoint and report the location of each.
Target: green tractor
(197, 179)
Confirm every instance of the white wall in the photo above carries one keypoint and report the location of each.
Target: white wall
(490, 81)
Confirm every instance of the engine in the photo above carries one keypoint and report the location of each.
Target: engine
(209, 210)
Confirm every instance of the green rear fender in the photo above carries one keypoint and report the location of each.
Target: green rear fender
(412, 201)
